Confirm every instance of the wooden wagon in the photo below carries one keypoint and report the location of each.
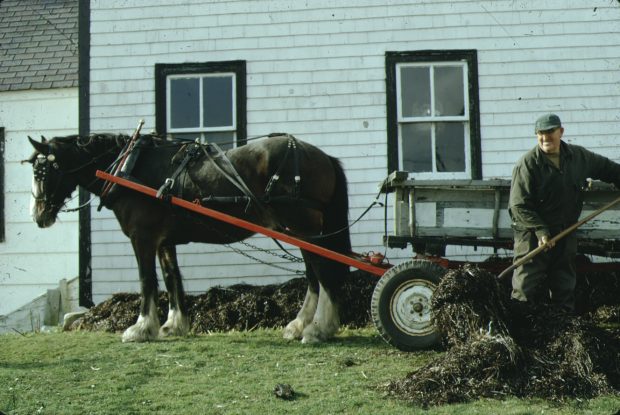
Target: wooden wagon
(430, 215)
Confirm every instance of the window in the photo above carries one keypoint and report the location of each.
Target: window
(433, 119)
(2, 225)
(202, 100)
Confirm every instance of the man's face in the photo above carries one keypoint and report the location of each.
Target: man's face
(549, 140)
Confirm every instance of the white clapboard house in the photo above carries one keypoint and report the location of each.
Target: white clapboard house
(383, 85)
(445, 90)
(38, 96)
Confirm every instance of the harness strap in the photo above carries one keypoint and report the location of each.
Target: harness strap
(291, 145)
(190, 153)
(125, 153)
(276, 176)
(225, 199)
(297, 190)
(229, 171)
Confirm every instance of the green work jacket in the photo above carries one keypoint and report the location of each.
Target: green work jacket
(545, 199)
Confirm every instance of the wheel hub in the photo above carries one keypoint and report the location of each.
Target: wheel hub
(411, 307)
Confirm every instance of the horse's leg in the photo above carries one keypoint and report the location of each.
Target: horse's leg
(147, 326)
(178, 319)
(326, 321)
(294, 329)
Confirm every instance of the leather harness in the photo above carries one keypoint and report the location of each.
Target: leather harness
(222, 163)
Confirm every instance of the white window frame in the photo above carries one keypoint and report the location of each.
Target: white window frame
(433, 119)
(200, 130)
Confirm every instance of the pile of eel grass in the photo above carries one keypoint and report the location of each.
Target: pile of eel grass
(497, 347)
(238, 307)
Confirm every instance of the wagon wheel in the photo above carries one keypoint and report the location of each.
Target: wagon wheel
(401, 304)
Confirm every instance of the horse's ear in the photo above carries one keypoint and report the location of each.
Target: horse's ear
(43, 139)
(42, 148)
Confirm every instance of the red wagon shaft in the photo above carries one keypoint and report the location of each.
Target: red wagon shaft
(378, 270)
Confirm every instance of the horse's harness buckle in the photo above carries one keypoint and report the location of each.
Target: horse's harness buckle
(191, 152)
(291, 146)
(165, 188)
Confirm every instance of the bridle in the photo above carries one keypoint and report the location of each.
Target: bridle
(41, 170)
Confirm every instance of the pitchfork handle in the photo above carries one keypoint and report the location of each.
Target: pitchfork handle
(557, 237)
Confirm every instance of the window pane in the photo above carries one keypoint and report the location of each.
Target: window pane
(450, 146)
(449, 96)
(415, 90)
(218, 101)
(184, 103)
(417, 147)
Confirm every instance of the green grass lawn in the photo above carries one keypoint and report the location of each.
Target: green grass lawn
(224, 373)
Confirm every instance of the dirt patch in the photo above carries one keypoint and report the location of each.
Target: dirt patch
(238, 307)
(496, 347)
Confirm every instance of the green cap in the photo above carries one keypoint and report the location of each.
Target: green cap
(547, 122)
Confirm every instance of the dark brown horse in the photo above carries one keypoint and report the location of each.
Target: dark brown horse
(295, 188)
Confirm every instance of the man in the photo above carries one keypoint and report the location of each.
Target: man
(545, 198)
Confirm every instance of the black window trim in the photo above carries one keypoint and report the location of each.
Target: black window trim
(163, 70)
(468, 55)
(2, 198)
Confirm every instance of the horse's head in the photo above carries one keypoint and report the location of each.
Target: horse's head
(51, 183)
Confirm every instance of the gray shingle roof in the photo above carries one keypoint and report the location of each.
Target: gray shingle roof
(38, 44)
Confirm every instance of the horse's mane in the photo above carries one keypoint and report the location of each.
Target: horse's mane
(106, 141)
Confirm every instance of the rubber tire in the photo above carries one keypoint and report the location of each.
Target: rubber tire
(412, 279)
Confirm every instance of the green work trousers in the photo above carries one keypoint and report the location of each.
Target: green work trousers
(549, 276)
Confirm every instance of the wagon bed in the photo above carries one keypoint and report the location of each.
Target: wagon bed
(431, 214)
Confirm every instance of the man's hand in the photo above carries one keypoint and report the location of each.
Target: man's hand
(545, 240)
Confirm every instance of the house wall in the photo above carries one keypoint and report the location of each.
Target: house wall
(316, 70)
(33, 260)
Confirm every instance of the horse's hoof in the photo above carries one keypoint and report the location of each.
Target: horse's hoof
(293, 330)
(170, 330)
(310, 340)
(316, 333)
(139, 334)
(175, 326)
(313, 335)
(133, 337)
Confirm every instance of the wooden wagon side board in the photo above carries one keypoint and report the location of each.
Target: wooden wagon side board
(475, 213)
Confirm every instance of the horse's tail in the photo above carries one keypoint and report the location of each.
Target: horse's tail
(336, 214)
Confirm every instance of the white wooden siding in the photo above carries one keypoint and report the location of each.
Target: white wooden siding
(32, 259)
(316, 70)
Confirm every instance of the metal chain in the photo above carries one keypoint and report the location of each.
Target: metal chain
(285, 256)
(245, 254)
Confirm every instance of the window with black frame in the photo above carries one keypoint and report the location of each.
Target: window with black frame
(433, 118)
(204, 101)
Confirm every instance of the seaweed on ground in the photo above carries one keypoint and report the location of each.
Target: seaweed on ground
(237, 307)
(497, 347)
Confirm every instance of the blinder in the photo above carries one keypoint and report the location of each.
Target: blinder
(41, 166)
